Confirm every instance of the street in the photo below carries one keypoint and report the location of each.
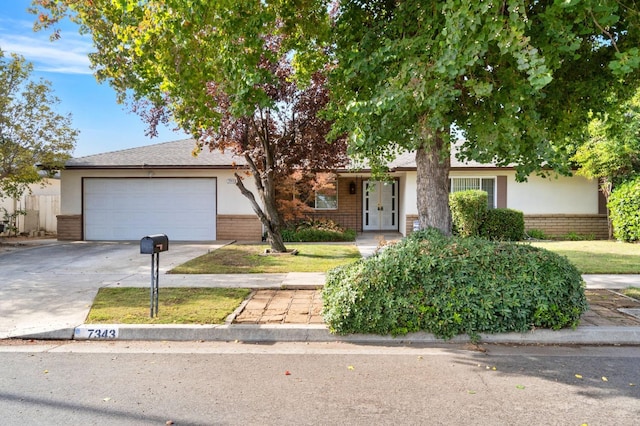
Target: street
(207, 383)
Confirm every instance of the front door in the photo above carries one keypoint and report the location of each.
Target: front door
(380, 212)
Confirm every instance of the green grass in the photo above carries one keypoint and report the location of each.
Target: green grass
(250, 258)
(598, 257)
(175, 305)
(632, 292)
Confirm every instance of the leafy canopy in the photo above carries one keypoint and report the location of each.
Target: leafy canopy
(167, 50)
(515, 77)
(612, 149)
(228, 72)
(32, 134)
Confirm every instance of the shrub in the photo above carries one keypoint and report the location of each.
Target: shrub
(468, 209)
(574, 236)
(450, 286)
(536, 234)
(624, 211)
(503, 225)
(322, 230)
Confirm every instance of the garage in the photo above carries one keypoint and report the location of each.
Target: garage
(116, 209)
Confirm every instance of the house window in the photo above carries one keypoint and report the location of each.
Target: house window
(484, 184)
(326, 192)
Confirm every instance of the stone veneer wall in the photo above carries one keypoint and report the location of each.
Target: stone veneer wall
(69, 227)
(238, 227)
(556, 224)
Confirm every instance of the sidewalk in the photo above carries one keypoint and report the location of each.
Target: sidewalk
(287, 307)
(292, 312)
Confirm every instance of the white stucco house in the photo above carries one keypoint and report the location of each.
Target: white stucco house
(162, 188)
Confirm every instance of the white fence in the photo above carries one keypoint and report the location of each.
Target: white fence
(41, 212)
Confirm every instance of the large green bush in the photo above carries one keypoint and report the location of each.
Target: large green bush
(450, 286)
(624, 211)
(468, 209)
(503, 225)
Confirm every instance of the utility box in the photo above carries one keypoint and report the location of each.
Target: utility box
(154, 244)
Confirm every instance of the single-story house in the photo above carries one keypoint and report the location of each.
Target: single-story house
(162, 188)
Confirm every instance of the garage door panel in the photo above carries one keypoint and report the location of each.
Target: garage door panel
(128, 209)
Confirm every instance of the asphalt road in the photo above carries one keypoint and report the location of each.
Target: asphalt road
(204, 383)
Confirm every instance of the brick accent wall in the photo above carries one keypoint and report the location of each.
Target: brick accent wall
(69, 227)
(348, 214)
(410, 219)
(238, 227)
(556, 224)
(562, 224)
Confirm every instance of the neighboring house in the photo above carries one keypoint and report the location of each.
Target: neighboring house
(41, 205)
(162, 188)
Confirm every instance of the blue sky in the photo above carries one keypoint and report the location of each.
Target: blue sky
(104, 124)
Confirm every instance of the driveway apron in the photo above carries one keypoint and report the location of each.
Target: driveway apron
(51, 287)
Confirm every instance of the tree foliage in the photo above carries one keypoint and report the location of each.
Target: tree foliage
(612, 149)
(224, 72)
(33, 136)
(611, 152)
(516, 78)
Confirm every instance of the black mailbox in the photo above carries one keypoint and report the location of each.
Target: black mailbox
(1, 227)
(154, 244)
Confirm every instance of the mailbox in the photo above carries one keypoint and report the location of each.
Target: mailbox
(1, 227)
(154, 244)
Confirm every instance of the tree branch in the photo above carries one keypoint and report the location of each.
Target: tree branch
(607, 33)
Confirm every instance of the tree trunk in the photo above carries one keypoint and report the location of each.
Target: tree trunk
(433, 163)
(269, 217)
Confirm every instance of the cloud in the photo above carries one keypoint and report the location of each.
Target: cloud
(69, 55)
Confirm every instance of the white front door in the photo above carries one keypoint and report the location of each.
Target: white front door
(380, 203)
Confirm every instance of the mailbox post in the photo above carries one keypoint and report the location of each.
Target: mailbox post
(153, 245)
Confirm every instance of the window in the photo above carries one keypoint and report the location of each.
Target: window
(326, 192)
(484, 184)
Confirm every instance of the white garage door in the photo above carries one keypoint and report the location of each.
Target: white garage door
(128, 209)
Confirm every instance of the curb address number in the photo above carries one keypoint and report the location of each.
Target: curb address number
(96, 333)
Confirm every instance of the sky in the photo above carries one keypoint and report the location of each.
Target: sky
(104, 124)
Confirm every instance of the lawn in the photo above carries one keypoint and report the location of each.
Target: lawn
(598, 257)
(175, 305)
(250, 258)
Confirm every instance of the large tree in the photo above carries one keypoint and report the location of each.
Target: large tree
(33, 136)
(514, 78)
(224, 72)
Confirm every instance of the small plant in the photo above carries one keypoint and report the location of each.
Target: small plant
(451, 285)
(536, 234)
(574, 236)
(11, 220)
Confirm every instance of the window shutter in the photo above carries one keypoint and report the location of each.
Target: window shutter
(502, 192)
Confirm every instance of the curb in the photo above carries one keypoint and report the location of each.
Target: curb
(585, 335)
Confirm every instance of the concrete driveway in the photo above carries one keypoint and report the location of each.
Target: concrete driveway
(51, 285)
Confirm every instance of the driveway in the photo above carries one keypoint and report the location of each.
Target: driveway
(50, 286)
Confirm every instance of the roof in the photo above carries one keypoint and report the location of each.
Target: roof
(407, 161)
(176, 154)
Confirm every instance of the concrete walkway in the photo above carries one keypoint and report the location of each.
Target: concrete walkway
(47, 294)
